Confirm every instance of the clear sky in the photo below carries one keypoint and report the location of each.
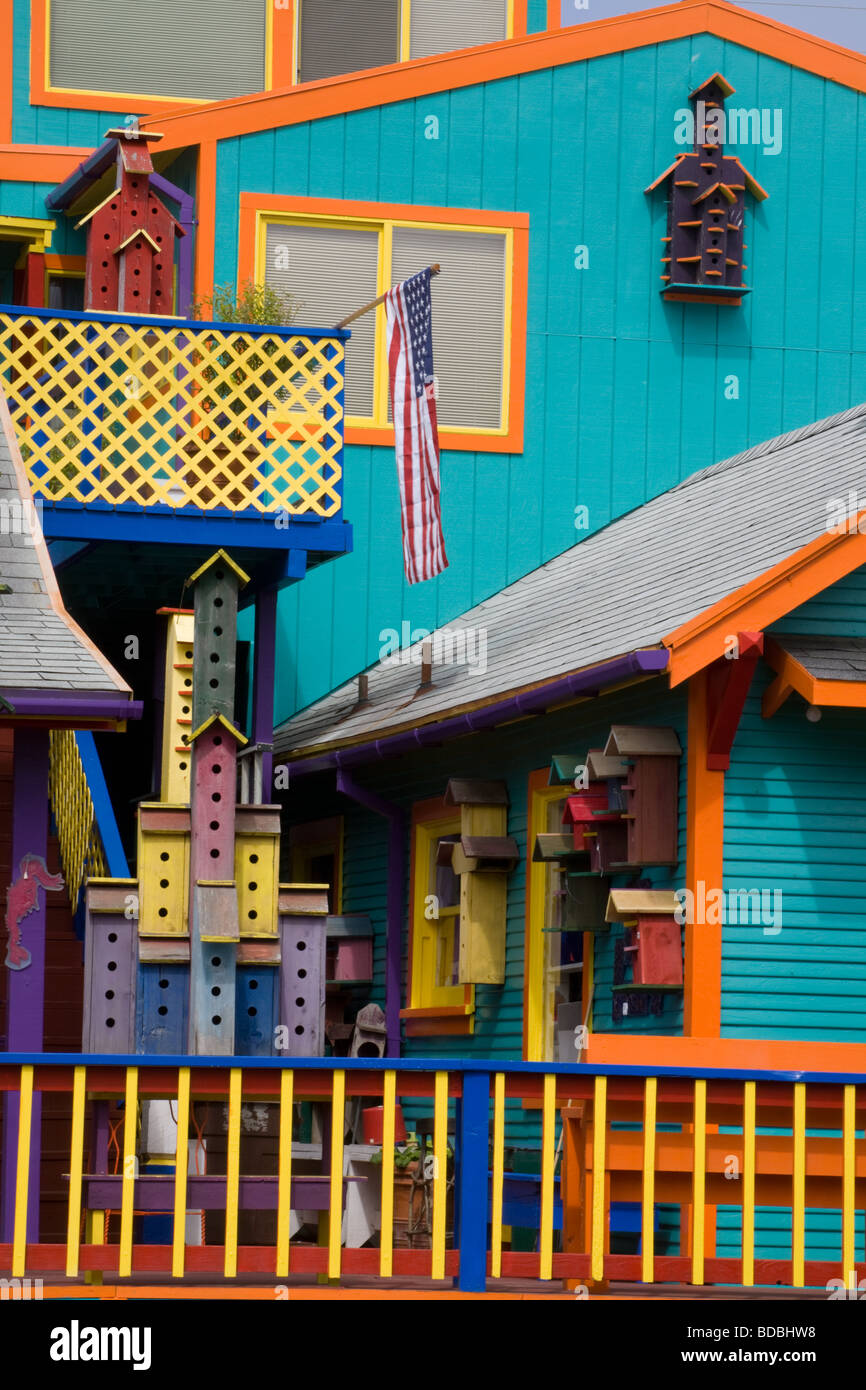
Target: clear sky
(840, 23)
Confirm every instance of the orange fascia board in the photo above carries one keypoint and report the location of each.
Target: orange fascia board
(510, 58)
(510, 441)
(764, 600)
(738, 1054)
(39, 163)
(847, 694)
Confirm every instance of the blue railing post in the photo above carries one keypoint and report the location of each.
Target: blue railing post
(471, 1197)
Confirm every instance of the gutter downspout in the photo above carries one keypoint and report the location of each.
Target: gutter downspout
(645, 662)
(396, 819)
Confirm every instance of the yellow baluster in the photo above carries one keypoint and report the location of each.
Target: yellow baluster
(22, 1174)
(76, 1170)
(848, 1170)
(599, 1136)
(386, 1245)
(699, 1181)
(338, 1120)
(749, 1184)
(440, 1170)
(548, 1159)
(284, 1184)
(127, 1182)
(798, 1204)
(498, 1175)
(649, 1179)
(181, 1171)
(233, 1172)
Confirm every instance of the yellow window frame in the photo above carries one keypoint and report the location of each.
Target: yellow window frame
(432, 939)
(302, 852)
(536, 1012)
(386, 226)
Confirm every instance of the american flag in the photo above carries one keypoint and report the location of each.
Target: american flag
(416, 435)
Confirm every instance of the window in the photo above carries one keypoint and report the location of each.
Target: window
(338, 36)
(172, 48)
(437, 1002)
(332, 266)
(553, 957)
(316, 856)
(64, 292)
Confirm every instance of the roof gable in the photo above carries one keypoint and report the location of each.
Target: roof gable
(41, 647)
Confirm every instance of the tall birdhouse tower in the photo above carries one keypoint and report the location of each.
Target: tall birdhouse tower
(131, 237)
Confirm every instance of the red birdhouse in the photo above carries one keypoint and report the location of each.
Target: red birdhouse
(131, 237)
(654, 936)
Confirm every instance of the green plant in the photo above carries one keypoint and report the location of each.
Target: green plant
(407, 1153)
(249, 303)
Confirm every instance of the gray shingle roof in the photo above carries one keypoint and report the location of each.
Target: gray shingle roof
(41, 648)
(827, 658)
(626, 587)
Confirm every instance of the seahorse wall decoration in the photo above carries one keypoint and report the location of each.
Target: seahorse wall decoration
(22, 899)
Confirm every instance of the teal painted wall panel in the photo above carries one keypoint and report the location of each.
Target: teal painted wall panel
(536, 16)
(795, 817)
(625, 394)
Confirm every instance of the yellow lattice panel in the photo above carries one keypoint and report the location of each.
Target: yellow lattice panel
(163, 870)
(177, 711)
(257, 865)
(138, 414)
(71, 804)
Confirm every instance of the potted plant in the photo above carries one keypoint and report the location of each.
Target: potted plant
(413, 1195)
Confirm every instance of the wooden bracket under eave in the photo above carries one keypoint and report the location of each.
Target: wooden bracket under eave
(729, 680)
(775, 696)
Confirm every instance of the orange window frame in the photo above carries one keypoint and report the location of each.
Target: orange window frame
(257, 209)
(439, 1020)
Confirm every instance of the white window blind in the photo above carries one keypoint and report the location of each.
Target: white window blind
(175, 48)
(468, 318)
(330, 271)
(347, 36)
(438, 26)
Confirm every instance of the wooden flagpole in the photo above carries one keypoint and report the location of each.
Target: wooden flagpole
(374, 303)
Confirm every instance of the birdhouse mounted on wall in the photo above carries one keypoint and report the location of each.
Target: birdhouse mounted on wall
(483, 857)
(652, 756)
(131, 236)
(702, 257)
(654, 937)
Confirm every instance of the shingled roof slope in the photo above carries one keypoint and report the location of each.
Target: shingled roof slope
(42, 648)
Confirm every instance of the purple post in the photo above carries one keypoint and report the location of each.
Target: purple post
(396, 880)
(186, 218)
(26, 987)
(264, 670)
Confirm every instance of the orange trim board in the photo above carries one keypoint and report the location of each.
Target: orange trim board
(510, 58)
(794, 676)
(746, 1054)
(256, 205)
(764, 600)
(39, 163)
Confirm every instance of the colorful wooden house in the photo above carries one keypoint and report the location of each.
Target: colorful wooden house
(581, 868)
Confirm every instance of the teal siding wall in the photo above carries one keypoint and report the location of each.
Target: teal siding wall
(839, 611)
(625, 394)
(795, 821)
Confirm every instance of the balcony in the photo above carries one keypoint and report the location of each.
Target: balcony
(615, 1148)
(143, 429)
